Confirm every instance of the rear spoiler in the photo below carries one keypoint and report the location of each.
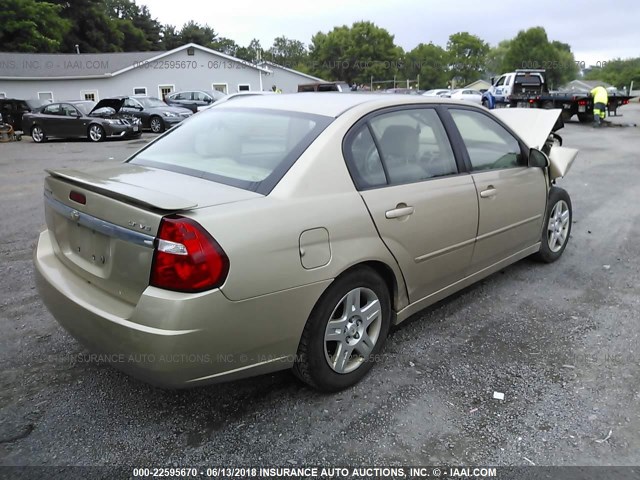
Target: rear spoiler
(124, 191)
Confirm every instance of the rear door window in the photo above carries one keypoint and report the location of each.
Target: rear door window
(399, 147)
(53, 109)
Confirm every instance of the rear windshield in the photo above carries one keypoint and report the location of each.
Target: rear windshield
(247, 148)
(528, 79)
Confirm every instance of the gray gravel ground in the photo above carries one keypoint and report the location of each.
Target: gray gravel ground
(560, 341)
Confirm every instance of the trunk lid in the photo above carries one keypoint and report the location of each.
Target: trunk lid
(109, 239)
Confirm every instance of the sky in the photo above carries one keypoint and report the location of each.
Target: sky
(598, 31)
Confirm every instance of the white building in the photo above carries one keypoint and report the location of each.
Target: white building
(284, 78)
(93, 76)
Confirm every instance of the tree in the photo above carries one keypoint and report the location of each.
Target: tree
(252, 52)
(467, 57)
(92, 29)
(31, 26)
(193, 32)
(226, 46)
(430, 62)
(619, 73)
(123, 9)
(532, 49)
(286, 52)
(149, 26)
(495, 59)
(134, 39)
(355, 54)
(169, 37)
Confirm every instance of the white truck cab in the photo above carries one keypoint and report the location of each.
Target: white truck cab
(502, 88)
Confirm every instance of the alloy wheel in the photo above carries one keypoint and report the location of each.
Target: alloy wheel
(37, 134)
(558, 227)
(156, 125)
(353, 330)
(95, 133)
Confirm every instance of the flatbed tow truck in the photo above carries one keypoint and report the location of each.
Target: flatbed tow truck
(527, 88)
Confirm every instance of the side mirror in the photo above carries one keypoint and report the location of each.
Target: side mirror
(538, 159)
(492, 80)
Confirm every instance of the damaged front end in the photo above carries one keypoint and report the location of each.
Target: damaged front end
(537, 127)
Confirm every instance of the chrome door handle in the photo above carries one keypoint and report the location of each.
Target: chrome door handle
(399, 212)
(489, 192)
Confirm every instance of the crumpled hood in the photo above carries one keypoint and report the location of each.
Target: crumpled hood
(533, 125)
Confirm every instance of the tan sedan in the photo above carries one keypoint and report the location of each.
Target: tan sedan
(292, 231)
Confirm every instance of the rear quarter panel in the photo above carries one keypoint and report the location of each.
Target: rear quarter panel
(261, 236)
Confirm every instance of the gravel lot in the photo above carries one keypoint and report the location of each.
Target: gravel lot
(560, 341)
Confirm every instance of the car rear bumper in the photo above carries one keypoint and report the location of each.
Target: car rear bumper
(172, 339)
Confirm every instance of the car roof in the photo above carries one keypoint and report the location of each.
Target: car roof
(330, 104)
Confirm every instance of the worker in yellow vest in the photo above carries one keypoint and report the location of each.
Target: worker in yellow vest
(600, 101)
(275, 89)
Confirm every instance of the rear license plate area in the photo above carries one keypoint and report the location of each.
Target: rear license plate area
(582, 108)
(83, 246)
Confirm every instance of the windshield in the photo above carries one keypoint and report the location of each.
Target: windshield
(215, 94)
(247, 148)
(150, 102)
(84, 107)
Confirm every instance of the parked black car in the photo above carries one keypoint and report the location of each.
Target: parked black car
(80, 119)
(12, 110)
(152, 112)
(194, 100)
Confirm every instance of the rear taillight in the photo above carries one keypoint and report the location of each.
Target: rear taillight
(187, 258)
(582, 102)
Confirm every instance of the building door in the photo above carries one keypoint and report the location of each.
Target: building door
(165, 90)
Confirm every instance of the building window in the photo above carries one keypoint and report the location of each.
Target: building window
(140, 91)
(220, 87)
(165, 90)
(45, 96)
(91, 95)
(191, 51)
(244, 87)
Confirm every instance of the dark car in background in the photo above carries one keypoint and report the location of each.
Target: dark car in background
(75, 119)
(194, 100)
(12, 110)
(324, 87)
(153, 113)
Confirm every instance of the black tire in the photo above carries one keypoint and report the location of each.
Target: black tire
(314, 351)
(156, 124)
(96, 133)
(38, 134)
(550, 248)
(585, 118)
(485, 104)
(566, 115)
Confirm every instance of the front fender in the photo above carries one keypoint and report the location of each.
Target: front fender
(561, 159)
